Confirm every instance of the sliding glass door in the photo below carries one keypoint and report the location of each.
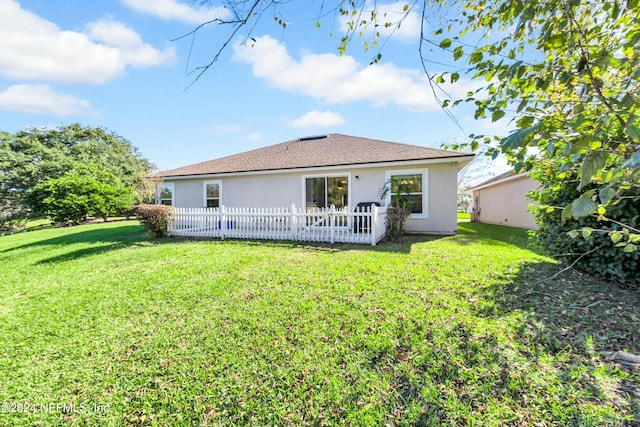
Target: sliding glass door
(324, 191)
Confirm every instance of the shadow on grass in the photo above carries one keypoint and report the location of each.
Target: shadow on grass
(109, 237)
(404, 245)
(573, 306)
(551, 369)
(469, 233)
(100, 239)
(578, 316)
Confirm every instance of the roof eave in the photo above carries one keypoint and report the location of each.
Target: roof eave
(502, 181)
(449, 159)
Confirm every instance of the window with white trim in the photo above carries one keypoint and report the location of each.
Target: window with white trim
(212, 192)
(409, 189)
(166, 194)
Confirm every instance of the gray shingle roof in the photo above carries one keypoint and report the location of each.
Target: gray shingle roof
(321, 151)
(511, 174)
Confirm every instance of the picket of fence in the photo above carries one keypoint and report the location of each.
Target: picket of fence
(330, 225)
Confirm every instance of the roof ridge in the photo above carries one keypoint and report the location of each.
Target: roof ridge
(402, 143)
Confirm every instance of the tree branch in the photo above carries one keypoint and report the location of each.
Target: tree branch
(238, 23)
(423, 61)
(584, 56)
(547, 279)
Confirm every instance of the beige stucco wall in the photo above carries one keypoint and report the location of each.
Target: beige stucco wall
(283, 189)
(505, 203)
(443, 202)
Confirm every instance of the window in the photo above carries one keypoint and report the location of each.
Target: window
(408, 189)
(166, 194)
(212, 194)
(324, 191)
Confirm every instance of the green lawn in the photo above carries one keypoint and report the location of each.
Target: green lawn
(433, 331)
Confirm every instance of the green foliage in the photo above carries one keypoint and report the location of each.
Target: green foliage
(155, 218)
(33, 156)
(11, 211)
(566, 73)
(597, 244)
(11, 215)
(76, 195)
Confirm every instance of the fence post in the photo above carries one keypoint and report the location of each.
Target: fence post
(373, 211)
(292, 221)
(332, 227)
(170, 227)
(223, 222)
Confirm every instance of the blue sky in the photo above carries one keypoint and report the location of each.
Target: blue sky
(112, 63)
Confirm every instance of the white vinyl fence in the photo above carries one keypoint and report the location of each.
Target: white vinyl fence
(330, 225)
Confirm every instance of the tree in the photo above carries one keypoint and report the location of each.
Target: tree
(33, 156)
(567, 75)
(10, 210)
(481, 168)
(145, 189)
(565, 72)
(88, 191)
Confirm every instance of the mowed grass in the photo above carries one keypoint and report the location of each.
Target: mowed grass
(104, 325)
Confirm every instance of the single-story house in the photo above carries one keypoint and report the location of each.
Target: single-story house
(503, 200)
(325, 170)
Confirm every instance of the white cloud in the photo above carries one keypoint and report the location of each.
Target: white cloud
(402, 25)
(255, 137)
(340, 79)
(41, 99)
(113, 33)
(132, 49)
(173, 10)
(318, 119)
(32, 48)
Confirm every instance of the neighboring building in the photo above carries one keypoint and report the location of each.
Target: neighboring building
(503, 200)
(325, 170)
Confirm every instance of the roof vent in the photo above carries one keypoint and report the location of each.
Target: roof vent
(311, 138)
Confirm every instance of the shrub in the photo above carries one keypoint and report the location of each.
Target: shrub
(155, 218)
(396, 222)
(396, 219)
(590, 246)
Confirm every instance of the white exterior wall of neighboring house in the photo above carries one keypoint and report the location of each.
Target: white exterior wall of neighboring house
(281, 189)
(505, 202)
